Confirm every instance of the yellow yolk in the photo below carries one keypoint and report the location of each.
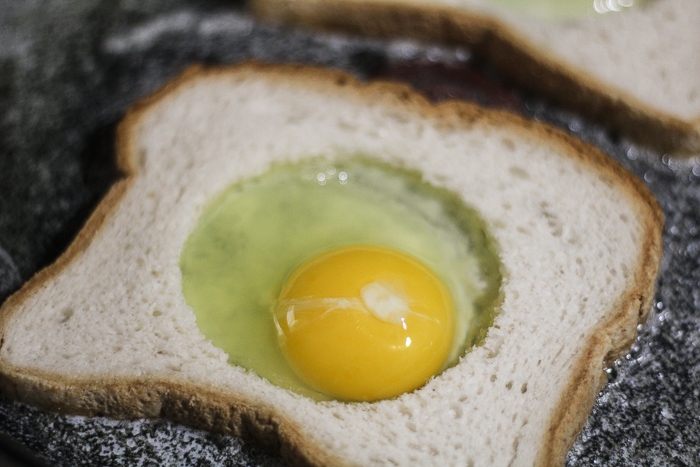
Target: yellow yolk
(363, 323)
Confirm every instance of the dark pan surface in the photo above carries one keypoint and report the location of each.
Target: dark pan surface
(69, 71)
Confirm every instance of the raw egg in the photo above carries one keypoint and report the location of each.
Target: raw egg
(321, 268)
(365, 323)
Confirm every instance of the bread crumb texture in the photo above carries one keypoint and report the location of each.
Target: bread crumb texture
(578, 239)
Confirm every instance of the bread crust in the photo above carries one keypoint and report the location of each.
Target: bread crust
(209, 409)
(513, 54)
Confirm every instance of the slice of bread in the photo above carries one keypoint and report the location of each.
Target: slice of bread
(635, 70)
(106, 330)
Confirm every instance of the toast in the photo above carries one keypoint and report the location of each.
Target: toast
(634, 70)
(106, 331)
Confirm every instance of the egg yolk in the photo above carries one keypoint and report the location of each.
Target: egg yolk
(362, 323)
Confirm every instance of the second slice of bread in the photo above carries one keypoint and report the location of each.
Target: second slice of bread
(106, 330)
(636, 70)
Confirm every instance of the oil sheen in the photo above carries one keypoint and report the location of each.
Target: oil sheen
(253, 237)
(568, 9)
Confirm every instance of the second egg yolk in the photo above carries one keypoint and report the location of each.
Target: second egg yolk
(362, 323)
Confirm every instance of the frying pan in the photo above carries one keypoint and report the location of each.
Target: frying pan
(69, 71)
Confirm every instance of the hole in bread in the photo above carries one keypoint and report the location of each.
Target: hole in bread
(470, 462)
(552, 219)
(508, 143)
(347, 125)
(296, 118)
(561, 349)
(412, 426)
(509, 385)
(493, 378)
(66, 314)
(606, 179)
(142, 159)
(456, 411)
(519, 172)
(523, 388)
(497, 225)
(157, 313)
